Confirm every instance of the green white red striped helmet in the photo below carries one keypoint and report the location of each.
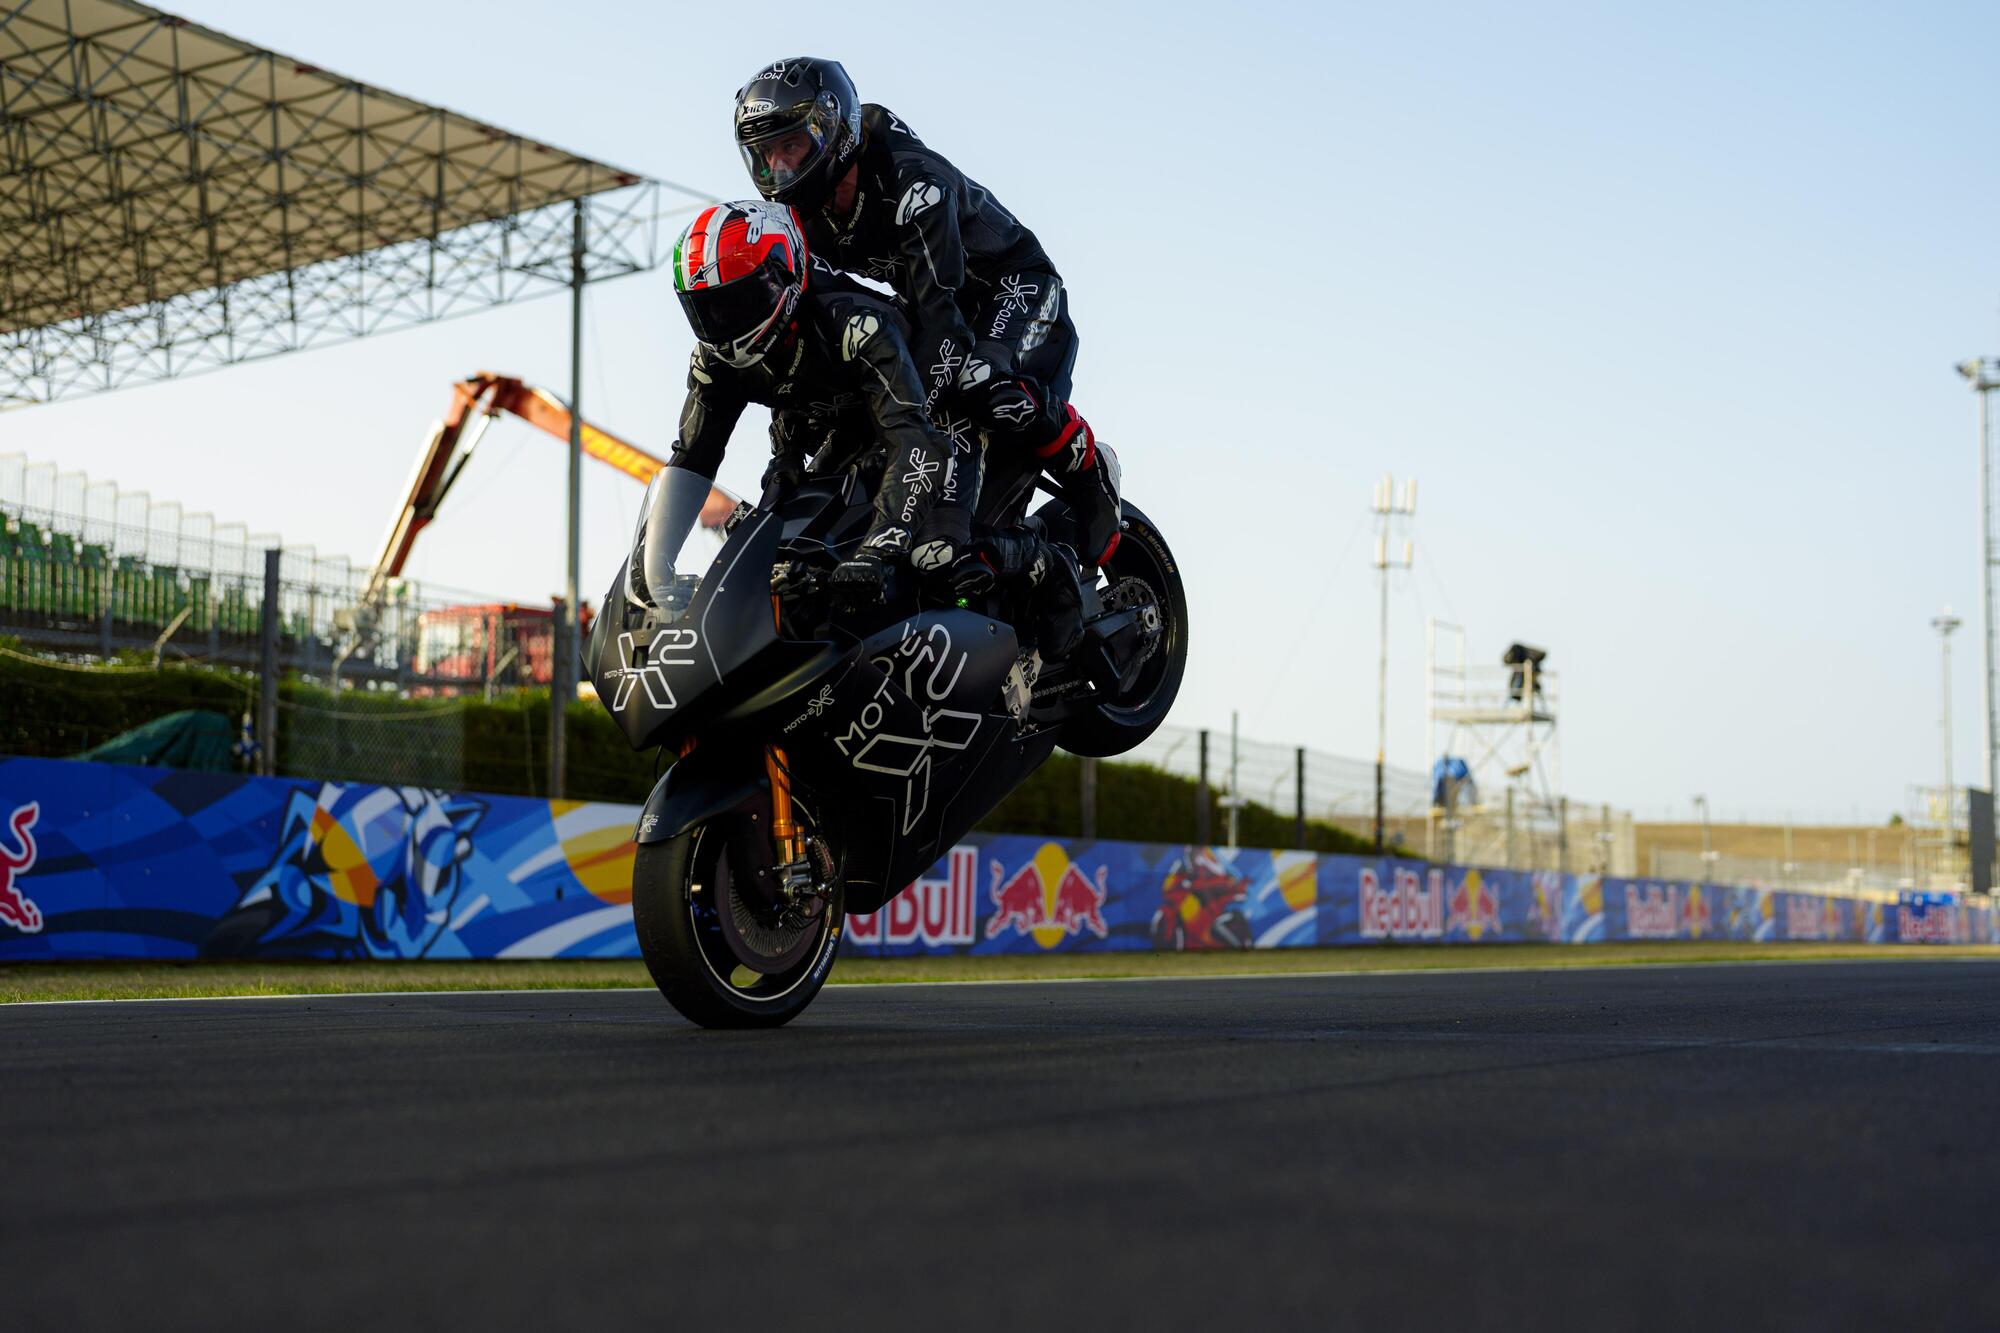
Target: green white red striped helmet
(739, 270)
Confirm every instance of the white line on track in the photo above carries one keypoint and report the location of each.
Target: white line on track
(1029, 981)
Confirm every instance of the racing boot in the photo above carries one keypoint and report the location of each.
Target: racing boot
(1087, 474)
(1055, 599)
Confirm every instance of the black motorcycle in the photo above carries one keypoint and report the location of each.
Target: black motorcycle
(828, 753)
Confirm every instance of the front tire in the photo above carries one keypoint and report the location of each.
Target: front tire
(746, 972)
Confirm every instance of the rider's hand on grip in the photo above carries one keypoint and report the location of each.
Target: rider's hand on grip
(862, 577)
(972, 575)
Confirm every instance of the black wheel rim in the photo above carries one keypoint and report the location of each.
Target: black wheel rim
(1135, 558)
(747, 955)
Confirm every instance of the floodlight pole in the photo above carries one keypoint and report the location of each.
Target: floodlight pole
(1944, 624)
(1983, 375)
(1386, 505)
(568, 631)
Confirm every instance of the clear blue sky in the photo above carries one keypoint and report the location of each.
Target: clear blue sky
(1660, 303)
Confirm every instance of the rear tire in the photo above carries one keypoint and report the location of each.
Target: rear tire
(1116, 726)
(679, 890)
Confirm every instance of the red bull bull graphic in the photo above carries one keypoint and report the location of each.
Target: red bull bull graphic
(107, 861)
(1697, 920)
(17, 909)
(1473, 909)
(1048, 899)
(931, 912)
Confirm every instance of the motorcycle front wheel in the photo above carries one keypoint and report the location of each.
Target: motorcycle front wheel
(715, 936)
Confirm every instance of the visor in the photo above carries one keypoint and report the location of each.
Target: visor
(780, 157)
(721, 314)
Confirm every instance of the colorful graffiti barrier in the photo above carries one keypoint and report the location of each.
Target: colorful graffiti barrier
(110, 861)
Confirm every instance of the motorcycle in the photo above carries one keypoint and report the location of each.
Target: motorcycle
(828, 753)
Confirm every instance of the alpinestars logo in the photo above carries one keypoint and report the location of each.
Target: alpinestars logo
(889, 539)
(921, 195)
(1016, 411)
(860, 328)
(932, 555)
(653, 675)
(977, 371)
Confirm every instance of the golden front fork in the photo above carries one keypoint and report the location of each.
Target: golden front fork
(784, 829)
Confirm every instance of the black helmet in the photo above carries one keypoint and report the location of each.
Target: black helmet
(798, 126)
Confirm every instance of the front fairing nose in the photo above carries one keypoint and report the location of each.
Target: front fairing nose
(656, 668)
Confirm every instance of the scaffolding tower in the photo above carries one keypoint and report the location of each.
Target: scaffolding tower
(1501, 721)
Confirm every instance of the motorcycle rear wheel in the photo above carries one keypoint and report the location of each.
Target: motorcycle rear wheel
(744, 972)
(1118, 725)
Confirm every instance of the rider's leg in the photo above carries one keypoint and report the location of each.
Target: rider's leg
(1016, 383)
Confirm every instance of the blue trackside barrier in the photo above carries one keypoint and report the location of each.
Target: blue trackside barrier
(104, 861)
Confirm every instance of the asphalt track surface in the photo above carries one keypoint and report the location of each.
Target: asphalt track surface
(1791, 1145)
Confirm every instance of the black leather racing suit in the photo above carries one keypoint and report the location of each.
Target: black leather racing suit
(993, 339)
(844, 381)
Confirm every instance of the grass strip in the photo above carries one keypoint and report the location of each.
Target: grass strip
(20, 982)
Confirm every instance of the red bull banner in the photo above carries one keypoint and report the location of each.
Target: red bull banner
(102, 861)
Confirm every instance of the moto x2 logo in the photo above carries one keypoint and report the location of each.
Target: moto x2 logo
(664, 653)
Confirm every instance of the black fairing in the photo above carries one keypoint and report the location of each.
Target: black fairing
(664, 675)
(897, 741)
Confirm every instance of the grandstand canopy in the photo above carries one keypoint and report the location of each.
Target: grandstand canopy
(173, 199)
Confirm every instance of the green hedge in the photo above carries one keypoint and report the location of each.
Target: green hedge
(502, 746)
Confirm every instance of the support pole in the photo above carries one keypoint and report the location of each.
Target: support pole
(1299, 797)
(1087, 796)
(1992, 735)
(1235, 799)
(267, 668)
(567, 646)
(1562, 834)
(1201, 797)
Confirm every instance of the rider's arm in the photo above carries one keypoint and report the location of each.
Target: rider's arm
(715, 399)
(934, 264)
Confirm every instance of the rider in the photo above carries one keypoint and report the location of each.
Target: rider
(993, 325)
(776, 326)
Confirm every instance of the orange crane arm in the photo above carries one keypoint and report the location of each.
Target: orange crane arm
(474, 403)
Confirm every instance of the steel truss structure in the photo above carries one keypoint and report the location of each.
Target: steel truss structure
(174, 200)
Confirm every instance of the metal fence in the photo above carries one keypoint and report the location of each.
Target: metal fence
(1311, 785)
(87, 567)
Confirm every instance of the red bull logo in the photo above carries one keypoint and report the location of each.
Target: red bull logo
(930, 911)
(16, 908)
(1412, 910)
(1653, 914)
(1049, 898)
(1810, 918)
(1475, 908)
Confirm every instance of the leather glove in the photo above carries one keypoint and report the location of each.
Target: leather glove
(863, 576)
(787, 469)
